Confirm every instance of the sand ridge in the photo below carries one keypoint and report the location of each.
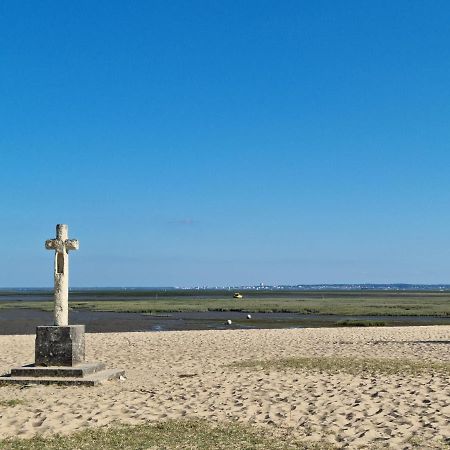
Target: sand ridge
(188, 374)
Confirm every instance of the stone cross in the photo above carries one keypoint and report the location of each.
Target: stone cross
(62, 244)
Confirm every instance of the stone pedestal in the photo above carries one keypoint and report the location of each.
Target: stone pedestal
(59, 353)
(59, 346)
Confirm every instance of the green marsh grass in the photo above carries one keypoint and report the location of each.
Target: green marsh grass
(360, 323)
(351, 303)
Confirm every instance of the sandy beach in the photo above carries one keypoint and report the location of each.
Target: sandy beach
(191, 374)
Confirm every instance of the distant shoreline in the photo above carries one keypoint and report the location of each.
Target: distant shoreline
(268, 288)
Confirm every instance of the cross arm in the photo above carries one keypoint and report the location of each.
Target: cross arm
(72, 244)
(60, 246)
(52, 244)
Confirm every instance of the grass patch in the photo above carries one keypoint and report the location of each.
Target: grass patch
(353, 366)
(170, 435)
(11, 403)
(360, 323)
(420, 443)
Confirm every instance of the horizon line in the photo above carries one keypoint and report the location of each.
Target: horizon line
(241, 286)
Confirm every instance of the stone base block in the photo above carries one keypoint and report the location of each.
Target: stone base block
(78, 371)
(59, 346)
(60, 360)
(62, 379)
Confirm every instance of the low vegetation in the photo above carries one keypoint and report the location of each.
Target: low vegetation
(10, 403)
(420, 443)
(360, 323)
(170, 435)
(353, 366)
(351, 303)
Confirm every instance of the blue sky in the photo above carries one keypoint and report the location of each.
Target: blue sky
(226, 142)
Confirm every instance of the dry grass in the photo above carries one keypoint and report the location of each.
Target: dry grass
(170, 435)
(353, 366)
(10, 403)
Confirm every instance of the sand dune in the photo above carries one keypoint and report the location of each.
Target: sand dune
(188, 374)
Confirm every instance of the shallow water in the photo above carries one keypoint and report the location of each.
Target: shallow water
(24, 321)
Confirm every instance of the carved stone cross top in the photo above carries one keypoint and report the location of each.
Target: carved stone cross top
(62, 244)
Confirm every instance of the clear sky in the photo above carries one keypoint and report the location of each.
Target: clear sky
(226, 142)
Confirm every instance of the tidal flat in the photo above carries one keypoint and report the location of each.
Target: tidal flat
(113, 310)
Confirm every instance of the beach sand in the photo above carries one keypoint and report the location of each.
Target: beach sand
(188, 374)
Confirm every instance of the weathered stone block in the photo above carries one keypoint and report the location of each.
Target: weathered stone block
(59, 346)
(90, 380)
(78, 371)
